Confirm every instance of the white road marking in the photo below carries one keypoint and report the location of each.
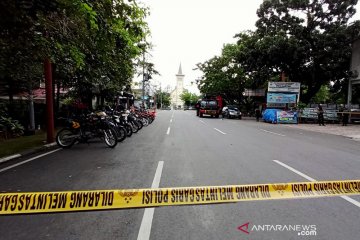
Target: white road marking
(356, 203)
(272, 132)
(168, 131)
(201, 121)
(170, 120)
(145, 227)
(219, 131)
(295, 171)
(29, 160)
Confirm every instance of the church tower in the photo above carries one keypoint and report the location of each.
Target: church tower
(180, 80)
(176, 101)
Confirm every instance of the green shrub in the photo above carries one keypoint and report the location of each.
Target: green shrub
(11, 126)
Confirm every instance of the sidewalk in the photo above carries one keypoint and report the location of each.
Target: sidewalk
(29, 152)
(351, 131)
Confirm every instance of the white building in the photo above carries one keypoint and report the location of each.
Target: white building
(176, 102)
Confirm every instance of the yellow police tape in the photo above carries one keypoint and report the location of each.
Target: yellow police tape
(69, 201)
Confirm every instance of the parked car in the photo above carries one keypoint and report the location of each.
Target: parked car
(231, 111)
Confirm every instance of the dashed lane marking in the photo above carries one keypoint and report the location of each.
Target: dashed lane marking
(145, 227)
(272, 132)
(219, 131)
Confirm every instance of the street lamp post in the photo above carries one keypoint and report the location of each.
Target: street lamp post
(143, 80)
(160, 97)
(142, 46)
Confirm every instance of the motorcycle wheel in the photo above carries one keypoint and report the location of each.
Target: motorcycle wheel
(65, 138)
(121, 133)
(110, 137)
(128, 130)
(140, 124)
(145, 122)
(134, 127)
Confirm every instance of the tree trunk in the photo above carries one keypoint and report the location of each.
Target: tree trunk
(57, 96)
(53, 88)
(98, 100)
(11, 95)
(313, 86)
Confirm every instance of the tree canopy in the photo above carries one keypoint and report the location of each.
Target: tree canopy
(189, 98)
(309, 41)
(223, 75)
(93, 45)
(163, 99)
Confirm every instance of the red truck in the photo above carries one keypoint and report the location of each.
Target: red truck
(211, 106)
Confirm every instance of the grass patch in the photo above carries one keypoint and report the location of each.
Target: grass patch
(17, 145)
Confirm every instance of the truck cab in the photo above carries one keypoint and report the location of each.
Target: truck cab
(211, 106)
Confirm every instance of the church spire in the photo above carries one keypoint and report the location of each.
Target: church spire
(180, 71)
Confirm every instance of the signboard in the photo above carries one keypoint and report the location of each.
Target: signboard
(331, 115)
(312, 113)
(285, 87)
(254, 92)
(279, 116)
(276, 105)
(286, 117)
(281, 98)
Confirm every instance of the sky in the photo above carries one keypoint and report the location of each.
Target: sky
(193, 31)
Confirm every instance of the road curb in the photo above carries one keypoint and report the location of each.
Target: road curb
(29, 152)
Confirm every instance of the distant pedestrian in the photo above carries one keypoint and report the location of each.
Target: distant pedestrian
(257, 114)
(345, 117)
(320, 116)
(197, 107)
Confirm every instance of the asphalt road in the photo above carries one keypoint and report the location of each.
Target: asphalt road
(180, 149)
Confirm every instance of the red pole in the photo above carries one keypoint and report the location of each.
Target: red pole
(49, 101)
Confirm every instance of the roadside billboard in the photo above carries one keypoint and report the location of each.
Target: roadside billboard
(284, 87)
(286, 117)
(281, 98)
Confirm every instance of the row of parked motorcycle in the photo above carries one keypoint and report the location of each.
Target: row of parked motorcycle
(110, 126)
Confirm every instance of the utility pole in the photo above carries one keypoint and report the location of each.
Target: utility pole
(31, 110)
(160, 97)
(143, 81)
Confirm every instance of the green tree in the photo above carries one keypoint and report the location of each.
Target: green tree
(163, 99)
(190, 99)
(93, 45)
(310, 40)
(223, 75)
(323, 95)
